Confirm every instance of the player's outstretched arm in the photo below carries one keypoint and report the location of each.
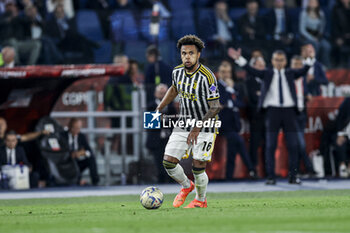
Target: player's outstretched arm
(168, 98)
(214, 109)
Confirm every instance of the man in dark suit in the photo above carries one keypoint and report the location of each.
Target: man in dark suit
(157, 139)
(80, 149)
(279, 26)
(255, 117)
(12, 154)
(278, 99)
(251, 27)
(315, 76)
(231, 100)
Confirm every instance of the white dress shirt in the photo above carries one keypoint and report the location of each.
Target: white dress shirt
(272, 98)
(11, 153)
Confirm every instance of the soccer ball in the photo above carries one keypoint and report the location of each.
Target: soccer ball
(151, 198)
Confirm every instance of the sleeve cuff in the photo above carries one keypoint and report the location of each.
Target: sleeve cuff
(241, 61)
(214, 98)
(87, 153)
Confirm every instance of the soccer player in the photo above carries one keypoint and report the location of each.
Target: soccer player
(198, 91)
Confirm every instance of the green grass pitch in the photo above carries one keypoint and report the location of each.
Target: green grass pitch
(283, 212)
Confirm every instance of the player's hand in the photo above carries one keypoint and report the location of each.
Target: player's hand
(193, 135)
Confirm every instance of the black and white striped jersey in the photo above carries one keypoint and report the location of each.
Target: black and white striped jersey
(195, 91)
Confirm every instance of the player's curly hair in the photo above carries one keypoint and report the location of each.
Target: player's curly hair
(191, 40)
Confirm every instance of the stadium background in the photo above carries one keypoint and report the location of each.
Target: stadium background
(130, 36)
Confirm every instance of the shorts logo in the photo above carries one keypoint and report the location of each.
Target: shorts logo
(151, 120)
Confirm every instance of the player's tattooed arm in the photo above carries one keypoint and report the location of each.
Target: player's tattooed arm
(214, 109)
(168, 98)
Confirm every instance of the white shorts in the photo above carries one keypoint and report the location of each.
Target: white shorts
(177, 146)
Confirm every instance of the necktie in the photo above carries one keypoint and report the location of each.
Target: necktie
(280, 87)
(71, 145)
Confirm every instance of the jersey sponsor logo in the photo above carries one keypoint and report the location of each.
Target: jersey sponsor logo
(188, 95)
(194, 84)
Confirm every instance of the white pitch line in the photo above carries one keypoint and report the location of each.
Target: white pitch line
(258, 186)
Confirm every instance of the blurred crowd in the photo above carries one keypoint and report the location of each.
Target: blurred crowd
(67, 31)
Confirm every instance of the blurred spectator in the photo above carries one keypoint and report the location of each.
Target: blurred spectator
(302, 97)
(103, 10)
(342, 144)
(80, 150)
(231, 100)
(312, 25)
(157, 139)
(13, 33)
(341, 31)
(8, 57)
(251, 28)
(65, 34)
(68, 8)
(223, 24)
(12, 154)
(118, 90)
(134, 73)
(156, 72)
(315, 76)
(217, 29)
(3, 128)
(34, 25)
(257, 53)
(279, 27)
(255, 117)
(116, 96)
